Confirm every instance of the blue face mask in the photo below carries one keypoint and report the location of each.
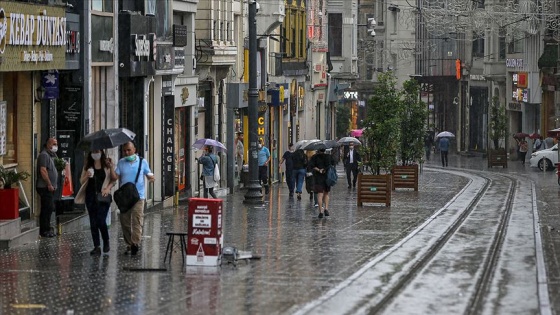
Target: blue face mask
(131, 158)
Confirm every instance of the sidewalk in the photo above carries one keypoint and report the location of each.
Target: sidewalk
(302, 256)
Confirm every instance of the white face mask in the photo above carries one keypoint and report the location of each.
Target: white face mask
(54, 148)
(96, 156)
(260, 146)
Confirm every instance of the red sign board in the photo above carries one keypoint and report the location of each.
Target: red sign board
(204, 244)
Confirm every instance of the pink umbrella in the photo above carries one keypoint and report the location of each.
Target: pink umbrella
(356, 133)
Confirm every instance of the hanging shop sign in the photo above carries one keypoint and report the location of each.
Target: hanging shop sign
(514, 63)
(137, 55)
(32, 37)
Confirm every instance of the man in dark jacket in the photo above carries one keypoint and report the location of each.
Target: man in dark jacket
(351, 160)
(300, 163)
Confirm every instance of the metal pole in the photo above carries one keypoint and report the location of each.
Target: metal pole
(254, 193)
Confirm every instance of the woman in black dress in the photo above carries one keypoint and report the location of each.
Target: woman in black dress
(319, 164)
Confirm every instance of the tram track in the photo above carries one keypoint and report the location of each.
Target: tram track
(470, 245)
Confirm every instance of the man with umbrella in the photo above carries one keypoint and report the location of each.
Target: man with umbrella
(351, 160)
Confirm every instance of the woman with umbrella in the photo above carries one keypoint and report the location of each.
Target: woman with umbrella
(319, 164)
(209, 161)
(98, 178)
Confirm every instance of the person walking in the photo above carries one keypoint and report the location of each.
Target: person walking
(351, 163)
(523, 148)
(98, 177)
(288, 158)
(239, 153)
(444, 149)
(300, 164)
(320, 163)
(264, 159)
(538, 144)
(428, 143)
(209, 161)
(133, 220)
(46, 184)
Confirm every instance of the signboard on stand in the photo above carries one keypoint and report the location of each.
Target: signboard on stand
(204, 245)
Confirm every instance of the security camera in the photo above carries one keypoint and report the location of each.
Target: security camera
(267, 84)
(121, 65)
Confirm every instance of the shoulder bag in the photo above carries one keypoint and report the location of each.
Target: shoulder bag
(127, 195)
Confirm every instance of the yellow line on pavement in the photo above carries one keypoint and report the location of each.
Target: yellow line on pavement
(29, 306)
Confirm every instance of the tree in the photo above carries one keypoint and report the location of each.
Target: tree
(413, 123)
(382, 125)
(498, 123)
(342, 120)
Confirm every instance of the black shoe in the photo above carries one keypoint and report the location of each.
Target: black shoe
(354, 185)
(298, 196)
(349, 186)
(266, 191)
(134, 249)
(291, 195)
(326, 212)
(96, 251)
(127, 251)
(106, 248)
(320, 215)
(48, 234)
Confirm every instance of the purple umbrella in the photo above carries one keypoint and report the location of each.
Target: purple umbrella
(201, 143)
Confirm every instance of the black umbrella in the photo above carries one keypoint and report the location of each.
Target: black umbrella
(323, 144)
(106, 138)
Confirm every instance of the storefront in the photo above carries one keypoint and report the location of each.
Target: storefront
(136, 82)
(29, 94)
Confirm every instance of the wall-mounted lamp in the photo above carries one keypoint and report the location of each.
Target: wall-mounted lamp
(39, 94)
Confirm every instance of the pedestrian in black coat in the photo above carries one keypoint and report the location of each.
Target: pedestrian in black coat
(351, 163)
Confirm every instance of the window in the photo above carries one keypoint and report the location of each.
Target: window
(478, 47)
(502, 44)
(294, 29)
(516, 45)
(102, 5)
(335, 34)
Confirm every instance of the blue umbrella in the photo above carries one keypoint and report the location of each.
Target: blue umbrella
(201, 143)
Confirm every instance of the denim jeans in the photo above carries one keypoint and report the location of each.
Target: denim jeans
(299, 176)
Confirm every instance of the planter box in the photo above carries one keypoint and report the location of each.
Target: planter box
(497, 158)
(9, 206)
(405, 176)
(374, 189)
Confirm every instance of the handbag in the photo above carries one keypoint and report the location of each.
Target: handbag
(216, 172)
(127, 195)
(104, 199)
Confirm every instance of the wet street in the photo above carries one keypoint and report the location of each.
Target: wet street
(466, 242)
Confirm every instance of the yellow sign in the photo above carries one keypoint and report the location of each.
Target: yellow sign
(32, 37)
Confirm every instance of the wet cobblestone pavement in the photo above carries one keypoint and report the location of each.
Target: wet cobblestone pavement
(302, 256)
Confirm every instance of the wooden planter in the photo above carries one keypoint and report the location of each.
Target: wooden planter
(9, 206)
(374, 189)
(405, 176)
(497, 158)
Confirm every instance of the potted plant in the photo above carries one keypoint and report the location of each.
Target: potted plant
(381, 138)
(9, 207)
(497, 156)
(411, 144)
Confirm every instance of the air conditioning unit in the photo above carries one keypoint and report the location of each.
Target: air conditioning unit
(380, 23)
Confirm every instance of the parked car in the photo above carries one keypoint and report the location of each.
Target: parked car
(548, 156)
